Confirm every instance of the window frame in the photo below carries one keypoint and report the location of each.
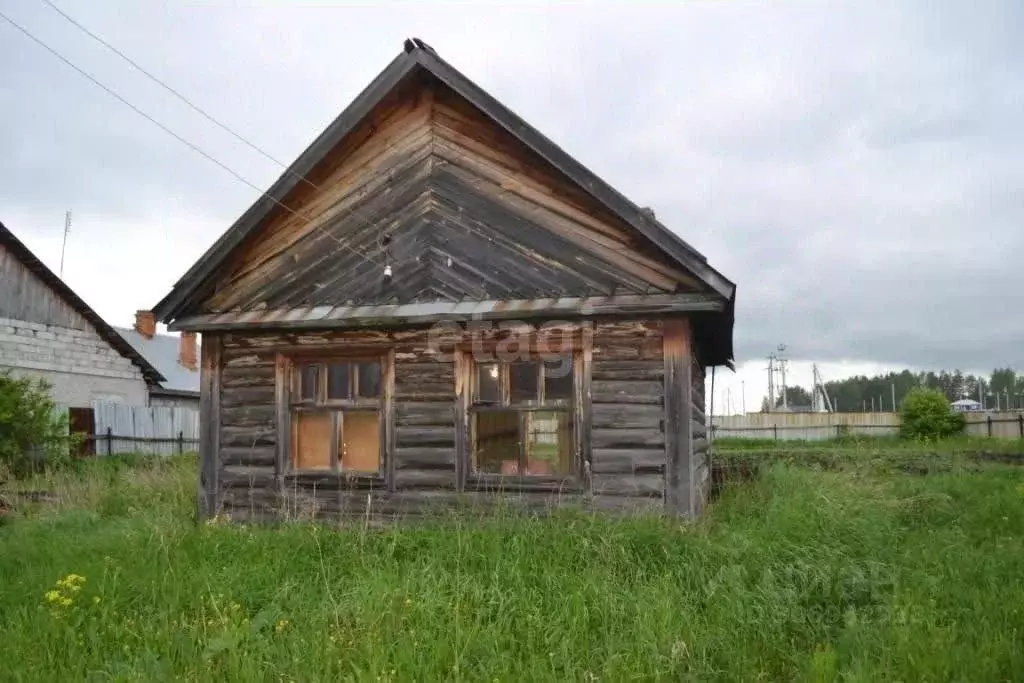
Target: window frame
(570, 407)
(290, 402)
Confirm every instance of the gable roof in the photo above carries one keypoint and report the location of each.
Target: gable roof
(162, 351)
(418, 56)
(57, 285)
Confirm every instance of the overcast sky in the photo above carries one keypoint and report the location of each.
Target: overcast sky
(856, 168)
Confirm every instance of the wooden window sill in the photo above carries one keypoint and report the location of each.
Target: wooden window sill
(358, 480)
(525, 483)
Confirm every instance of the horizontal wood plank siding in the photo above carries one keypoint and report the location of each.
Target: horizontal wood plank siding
(627, 437)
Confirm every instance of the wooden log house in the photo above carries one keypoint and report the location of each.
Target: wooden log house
(435, 304)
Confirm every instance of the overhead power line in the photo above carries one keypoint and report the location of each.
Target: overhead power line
(175, 135)
(199, 110)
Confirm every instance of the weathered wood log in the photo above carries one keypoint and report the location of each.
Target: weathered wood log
(259, 456)
(627, 392)
(425, 436)
(628, 438)
(248, 437)
(425, 457)
(636, 370)
(628, 460)
(640, 485)
(425, 414)
(627, 416)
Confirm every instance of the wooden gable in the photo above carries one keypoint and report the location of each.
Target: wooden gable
(426, 194)
(456, 206)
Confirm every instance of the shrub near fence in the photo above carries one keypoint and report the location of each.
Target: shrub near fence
(820, 426)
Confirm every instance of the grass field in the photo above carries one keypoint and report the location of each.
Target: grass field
(844, 567)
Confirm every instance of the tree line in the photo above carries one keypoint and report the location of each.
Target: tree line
(1003, 388)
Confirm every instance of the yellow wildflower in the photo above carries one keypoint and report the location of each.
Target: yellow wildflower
(52, 596)
(280, 625)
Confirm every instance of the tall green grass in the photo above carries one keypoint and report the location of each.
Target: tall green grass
(807, 573)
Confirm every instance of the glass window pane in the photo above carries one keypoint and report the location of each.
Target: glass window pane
(339, 380)
(558, 381)
(549, 446)
(308, 375)
(359, 450)
(487, 383)
(497, 442)
(524, 382)
(369, 379)
(311, 440)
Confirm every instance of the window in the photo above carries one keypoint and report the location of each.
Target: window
(336, 416)
(521, 417)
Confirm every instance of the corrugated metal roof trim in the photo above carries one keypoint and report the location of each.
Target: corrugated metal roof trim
(54, 282)
(436, 311)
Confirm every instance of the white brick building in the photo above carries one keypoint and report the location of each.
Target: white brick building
(47, 331)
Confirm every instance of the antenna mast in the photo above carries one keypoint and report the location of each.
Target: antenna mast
(819, 394)
(782, 371)
(67, 229)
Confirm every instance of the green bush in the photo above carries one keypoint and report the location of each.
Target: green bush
(925, 414)
(33, 432)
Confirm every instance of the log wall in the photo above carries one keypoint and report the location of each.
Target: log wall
(622, 442)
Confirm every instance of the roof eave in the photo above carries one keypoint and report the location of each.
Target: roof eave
(106, 332)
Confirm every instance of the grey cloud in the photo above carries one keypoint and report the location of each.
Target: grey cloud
(854, 167)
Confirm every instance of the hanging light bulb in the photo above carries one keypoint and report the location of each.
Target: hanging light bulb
(387, 270)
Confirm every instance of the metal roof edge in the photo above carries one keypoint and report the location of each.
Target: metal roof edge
(51, 280)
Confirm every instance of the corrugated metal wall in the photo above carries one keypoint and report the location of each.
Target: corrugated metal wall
(814, 426)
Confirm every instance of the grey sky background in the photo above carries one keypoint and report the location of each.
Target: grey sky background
(855, 167)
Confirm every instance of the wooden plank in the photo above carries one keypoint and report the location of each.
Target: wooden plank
(251, 376)
(639, 485)
(425, 457)
(434, 480)
(679, 493)
(209, 438)
(628, 460)
(248, 396)
(260, 456)
(433, 435)
(424, 414)
(248, 436)
(628, 370)
(584, 407)
(388, 420)
(627, 416)
(627, 392)
(628, 438)
(463, 444)
(283, 422)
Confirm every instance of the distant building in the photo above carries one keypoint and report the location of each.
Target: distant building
(175, 357)
(965, 405)
(47, 331)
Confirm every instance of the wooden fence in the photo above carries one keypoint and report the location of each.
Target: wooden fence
(158, 430)
(817, 426)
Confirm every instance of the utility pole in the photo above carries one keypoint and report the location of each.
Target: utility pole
(67, 229)
(743, 390)
(771, 382)
(782, 370)
(894, 397)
